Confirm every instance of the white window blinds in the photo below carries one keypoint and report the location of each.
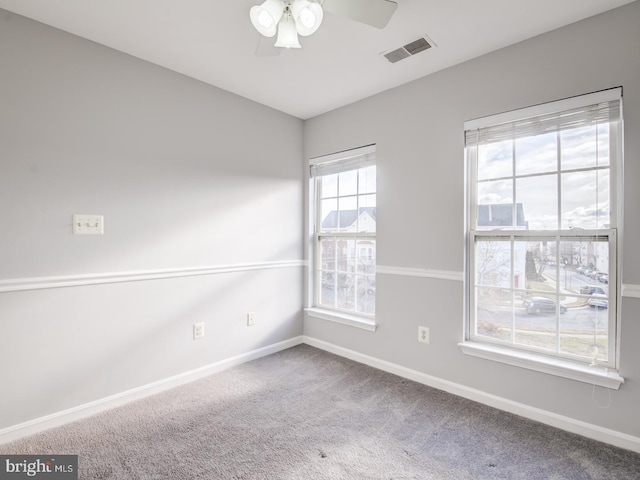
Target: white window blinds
(343, 161)
(584, 110)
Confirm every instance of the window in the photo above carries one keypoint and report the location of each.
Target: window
(542, 219)
(344, 239)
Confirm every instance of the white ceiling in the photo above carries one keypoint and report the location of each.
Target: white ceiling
(214, 41)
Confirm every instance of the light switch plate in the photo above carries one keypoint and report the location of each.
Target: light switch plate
(88, 225)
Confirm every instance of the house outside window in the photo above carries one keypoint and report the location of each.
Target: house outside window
(344, 232)
(543, 214)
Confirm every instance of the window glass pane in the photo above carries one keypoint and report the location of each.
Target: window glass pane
(536, 321)
(367, 217)
(494, 313)
(345, 292)
(585, 199)
(348, 183)
(604, 144)
(367, 201)
(537, 154)
(538, 198)
(329, 186)
(566, 267)
(346, 255)
(328, 289)
(367, 180)
(519, 280)
(495, 192)
(329, 215)
(589, 265)
(539, 259)
(495, 160)
(328, 254)
(493, 263)
(579, 147)
(536, 324)
(495, 204)
(348, 218)
(584, 327)
(366, 256)
(366, 294)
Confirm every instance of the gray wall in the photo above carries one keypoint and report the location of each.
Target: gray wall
(186, 176)
(418, 129)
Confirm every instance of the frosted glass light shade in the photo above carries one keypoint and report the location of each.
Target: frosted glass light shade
(287, 35)
(307, 15)
(265, 17)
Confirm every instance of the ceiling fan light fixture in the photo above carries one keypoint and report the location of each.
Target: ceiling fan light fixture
(287, 35)
(307, 16)
(265, 17)
(290, 18)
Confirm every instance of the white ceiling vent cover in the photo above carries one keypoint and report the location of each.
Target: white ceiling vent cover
(417, 46)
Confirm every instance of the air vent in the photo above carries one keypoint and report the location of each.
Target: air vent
(417, 46)
(397, 55)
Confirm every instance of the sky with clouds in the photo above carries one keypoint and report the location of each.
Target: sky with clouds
(578, 158)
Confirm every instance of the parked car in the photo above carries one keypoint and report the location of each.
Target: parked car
(603, 278)
(592, 290)
(366, 288)
(581, 269)
(598, 300)
(596, 274)
(537, 305)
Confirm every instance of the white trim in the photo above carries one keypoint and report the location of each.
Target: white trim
(420, 272)
(39, 283)
(595, 432)
(599, 376)
(364, 323)
(632, 291)
(31, 427)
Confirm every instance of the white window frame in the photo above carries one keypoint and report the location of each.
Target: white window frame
(598, 373)
(326, 165)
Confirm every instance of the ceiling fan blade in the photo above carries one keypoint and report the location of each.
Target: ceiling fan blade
(376, 13)
(266, 48)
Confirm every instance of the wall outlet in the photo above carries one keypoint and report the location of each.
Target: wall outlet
(423, 334)
(198, 330)
(251, 319)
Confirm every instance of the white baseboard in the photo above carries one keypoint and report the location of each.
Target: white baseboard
(572, 425)
(82, 411)
(595, 432)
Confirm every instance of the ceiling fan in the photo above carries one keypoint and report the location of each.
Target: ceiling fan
(290, 18)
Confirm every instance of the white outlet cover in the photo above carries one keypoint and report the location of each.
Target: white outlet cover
(198, 330)
(423, 334)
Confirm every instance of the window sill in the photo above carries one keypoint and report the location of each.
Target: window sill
(582, 373)
(356, 321)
